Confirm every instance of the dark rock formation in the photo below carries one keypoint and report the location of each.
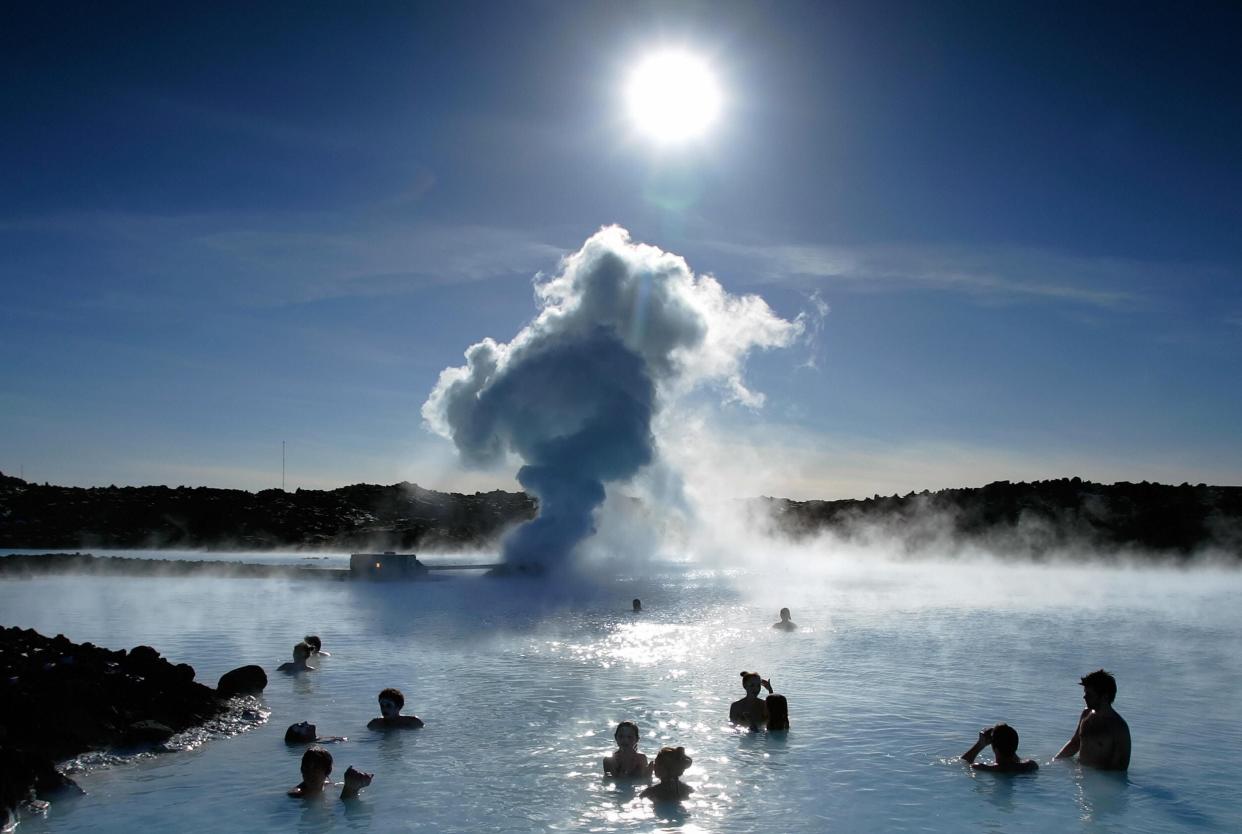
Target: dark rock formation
(26, 565)
(1032, 520)
(244, 680)
(361, 517)
(23, 772)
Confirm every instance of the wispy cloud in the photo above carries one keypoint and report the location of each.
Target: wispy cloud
(992, 274)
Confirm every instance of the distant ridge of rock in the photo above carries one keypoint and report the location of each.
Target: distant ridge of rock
(403, 516)
(1009, 519)
(1032, 520)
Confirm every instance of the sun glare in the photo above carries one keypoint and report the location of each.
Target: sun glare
(673, 96)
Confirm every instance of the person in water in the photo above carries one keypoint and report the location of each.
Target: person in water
(778, 712)
(670, 763)
(390, 703)
(785, 624)
(627, 762)
(305, 732)
(1004, 741)
(317, 766)
(1102, 737)
(751, 710)
(301, 652)
(638, 605)
(316, 645)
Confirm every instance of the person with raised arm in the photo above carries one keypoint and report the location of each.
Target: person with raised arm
(1004, 742)
(751, 710)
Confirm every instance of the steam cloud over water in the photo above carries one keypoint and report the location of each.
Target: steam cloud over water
(623, 329)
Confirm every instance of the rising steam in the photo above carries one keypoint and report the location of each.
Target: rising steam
(622, 330)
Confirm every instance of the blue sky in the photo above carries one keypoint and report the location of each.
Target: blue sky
(224, 226)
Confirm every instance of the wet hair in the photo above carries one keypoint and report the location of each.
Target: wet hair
(317, 757)
(785, 615)
(301, 651)
(1004, 740)
(746, 675)
(393, 695)
(778, 712)
(629, 724)
(673, 759)
(314, 642)
(293, 735)
(1103, 683)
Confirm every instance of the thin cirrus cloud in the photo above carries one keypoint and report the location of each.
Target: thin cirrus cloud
(997, 275)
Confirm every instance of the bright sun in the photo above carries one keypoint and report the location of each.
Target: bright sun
(673, 96)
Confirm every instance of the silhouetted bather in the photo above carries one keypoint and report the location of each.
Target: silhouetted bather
(390, 703)
(638, 605)
(785, 624)
(301, 652)
(1102, 737)
(670, 763)
(305, 732)
(316, 645)
(750, 710)
(317, 766)
(1004, 741)
(778, 712)
(627, 762)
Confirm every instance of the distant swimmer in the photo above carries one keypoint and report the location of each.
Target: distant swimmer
(301, 652)
(1004, 741)
(670, 763)
(778, 712)
(316, 645)
(317, 766)
(1102, 737)
(785, 624)
(751, 710)
(638, 605)
(627, 762)
(305, 732)
(390, 703)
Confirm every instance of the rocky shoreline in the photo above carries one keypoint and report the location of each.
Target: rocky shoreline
(59, 699)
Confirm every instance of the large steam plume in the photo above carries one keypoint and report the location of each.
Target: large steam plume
(622, 329)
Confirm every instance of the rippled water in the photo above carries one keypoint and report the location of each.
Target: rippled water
(889, 678)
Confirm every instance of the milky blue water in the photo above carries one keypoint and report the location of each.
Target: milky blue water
(890, 676)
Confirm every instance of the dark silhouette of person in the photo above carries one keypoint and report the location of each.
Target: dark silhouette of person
(305, 732)
(670, 763)
(1004, 741)
(301, 652)
(638, 605)
(751, 710)
(626, 762)
(778, 712)
(785, 624)
(390, 703)
(1102, 737)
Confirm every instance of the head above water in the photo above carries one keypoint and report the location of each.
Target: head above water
(785, 615)
(314, 642)
(671, 762)
(301, 733)
(301, 651)
(751, 682)
(316, 765)
(638, 604)
(778, 712)
(1101, 684)
(1004, 740)
(626, 732)
(390, 702)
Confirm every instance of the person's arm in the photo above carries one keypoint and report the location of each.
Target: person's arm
(609, 763)
(985, 738)
(1071, 746)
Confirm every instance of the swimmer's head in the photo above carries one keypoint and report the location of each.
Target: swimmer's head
(314, 642)
(778, 712)
(302, 732)
(316, 766)
(785, 615)
(1099, 688)
(390, 702)
(638, 604)
(301, 651)
(671, 762)
(1004, 740)
(626, 734)
(751, 682)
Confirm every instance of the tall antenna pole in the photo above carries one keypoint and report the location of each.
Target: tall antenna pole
(282, 466)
